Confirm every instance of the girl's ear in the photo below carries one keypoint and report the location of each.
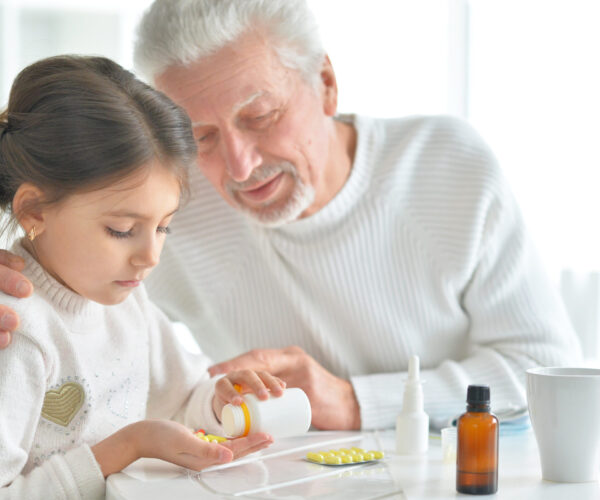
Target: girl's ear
(28, 207)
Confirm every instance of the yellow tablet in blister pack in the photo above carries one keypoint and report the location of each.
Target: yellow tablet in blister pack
(344, 456)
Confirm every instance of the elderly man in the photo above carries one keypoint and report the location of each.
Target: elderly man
(357, 241)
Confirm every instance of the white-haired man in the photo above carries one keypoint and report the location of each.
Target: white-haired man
(359, 242)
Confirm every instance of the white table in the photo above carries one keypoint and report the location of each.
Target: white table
(281, 472)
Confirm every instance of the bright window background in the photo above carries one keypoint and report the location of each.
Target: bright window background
(524, 72)
(534, 93)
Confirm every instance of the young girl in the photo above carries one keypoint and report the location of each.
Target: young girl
(92, 163)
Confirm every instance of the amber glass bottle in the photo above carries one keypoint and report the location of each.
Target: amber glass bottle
(477, 445)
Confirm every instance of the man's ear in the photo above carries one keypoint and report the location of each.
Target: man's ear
(28, 207)
(329, 87)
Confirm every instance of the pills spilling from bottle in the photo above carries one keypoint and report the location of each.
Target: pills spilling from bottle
(344, 456)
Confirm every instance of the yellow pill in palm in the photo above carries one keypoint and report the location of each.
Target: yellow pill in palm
(215, 439)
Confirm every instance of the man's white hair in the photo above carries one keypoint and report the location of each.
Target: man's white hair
(181, 32)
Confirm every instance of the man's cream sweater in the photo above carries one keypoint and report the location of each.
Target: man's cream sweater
(423, 251)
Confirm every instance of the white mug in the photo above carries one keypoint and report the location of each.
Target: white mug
(564, 406)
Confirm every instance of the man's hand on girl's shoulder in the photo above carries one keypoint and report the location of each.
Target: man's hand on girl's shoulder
(12, 282)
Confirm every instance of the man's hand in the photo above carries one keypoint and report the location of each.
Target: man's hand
(13, 283)
(332, 399)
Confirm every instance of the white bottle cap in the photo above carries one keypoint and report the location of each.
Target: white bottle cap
(233, 420)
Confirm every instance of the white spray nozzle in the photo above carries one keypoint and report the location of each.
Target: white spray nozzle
(412, 425)
(413, 368)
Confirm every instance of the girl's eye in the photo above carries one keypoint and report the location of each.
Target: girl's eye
(163, 229)
(118, 234)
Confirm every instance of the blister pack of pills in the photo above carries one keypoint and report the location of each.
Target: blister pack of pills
(344, 456)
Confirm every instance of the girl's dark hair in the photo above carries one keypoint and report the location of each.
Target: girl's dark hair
(77, 123)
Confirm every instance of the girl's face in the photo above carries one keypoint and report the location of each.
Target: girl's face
(103, 243)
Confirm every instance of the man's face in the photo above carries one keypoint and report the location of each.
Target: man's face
(263, 133)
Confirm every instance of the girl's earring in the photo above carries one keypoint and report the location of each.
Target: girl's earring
(31, 234)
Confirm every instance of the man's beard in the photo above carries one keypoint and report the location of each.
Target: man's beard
(298, 201)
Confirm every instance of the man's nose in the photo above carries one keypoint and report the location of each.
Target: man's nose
(241, 155)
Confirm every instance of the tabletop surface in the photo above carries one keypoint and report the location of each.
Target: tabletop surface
(281, 472)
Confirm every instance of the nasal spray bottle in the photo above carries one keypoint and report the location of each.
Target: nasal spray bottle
(412, 425)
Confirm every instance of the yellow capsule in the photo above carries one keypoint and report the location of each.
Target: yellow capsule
(346, 451)
(315, 457)
(377, 455)
(359, 457)
(368, 456)
(326, 454)
(333, 460)
(216, 439)
(204, 438)
(358, 450)
(347, 459)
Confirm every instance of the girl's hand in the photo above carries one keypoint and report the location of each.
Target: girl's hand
(172, 442)
(258, 382)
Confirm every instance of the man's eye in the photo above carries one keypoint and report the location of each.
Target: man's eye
(118, 234)
(263, 118)
(204, 138)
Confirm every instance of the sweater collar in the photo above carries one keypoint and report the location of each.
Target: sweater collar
(351, 193)
(58, 295)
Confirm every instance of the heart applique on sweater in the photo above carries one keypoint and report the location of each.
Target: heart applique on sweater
(61, 405)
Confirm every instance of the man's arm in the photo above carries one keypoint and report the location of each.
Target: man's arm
(516, 321)
(12, 282)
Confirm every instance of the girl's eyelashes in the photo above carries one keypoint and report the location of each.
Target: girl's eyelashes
(118, 234)
(127, 234)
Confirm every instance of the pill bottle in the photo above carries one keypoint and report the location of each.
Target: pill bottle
(477, 445)
(283, 416)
